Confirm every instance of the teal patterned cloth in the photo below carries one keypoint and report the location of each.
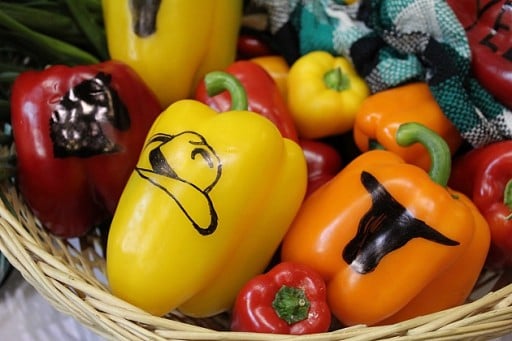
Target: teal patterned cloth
(392, 42)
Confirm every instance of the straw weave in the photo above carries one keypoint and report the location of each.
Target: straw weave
(70, 274)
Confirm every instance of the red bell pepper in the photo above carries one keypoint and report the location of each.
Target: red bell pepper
(488, 26)
(288, 299)
(250, 45)
(485, 175)
(323, 161)
(78, 133)
(263, 96)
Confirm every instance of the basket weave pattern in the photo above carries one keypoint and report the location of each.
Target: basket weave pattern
(70, 275)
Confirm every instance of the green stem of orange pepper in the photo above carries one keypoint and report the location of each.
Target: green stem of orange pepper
(412, 132)
(219, 81)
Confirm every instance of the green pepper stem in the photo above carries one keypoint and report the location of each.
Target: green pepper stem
(507, 197)
(440, 156)
(291, 304)
(336, 79)
(219, 81)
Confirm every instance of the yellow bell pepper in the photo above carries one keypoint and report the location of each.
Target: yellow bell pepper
(174, 43)
(324, 94)
(207, 206)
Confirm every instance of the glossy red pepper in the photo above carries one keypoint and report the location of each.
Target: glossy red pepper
(488, 26)
(250, 45)
(485, 175)
(288, 299)
(78, 133)
(323, 160)
(263, 96)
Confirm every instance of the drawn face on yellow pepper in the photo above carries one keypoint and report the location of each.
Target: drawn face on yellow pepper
(205, 209)
(392, 241)
(173, 44)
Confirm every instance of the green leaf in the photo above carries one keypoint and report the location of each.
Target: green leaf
(61, 51)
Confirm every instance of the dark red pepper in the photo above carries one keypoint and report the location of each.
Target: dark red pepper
(289, 299)
(78, 132)
(488, 26)
(485, 175)
(263, 96)
(323, 160)
(253, 44)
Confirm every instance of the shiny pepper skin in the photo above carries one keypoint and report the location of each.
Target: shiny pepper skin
(78, 133)
(390, 242)
(210, 200)
(172, 44)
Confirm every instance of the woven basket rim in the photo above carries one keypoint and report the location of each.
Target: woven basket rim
(69, 276)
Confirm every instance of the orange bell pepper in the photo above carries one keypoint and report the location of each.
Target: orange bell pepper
(391, 240)
(380, 115)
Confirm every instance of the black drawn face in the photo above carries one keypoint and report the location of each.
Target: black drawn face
(387, 226)
(76, 125)
(495, 17)
(166, 173)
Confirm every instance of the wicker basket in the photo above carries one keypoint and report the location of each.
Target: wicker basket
(70, 275)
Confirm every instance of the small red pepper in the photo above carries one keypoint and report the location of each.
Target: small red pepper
(288, 299)
(323, 160)
(485, 175)
(78, 133)
(263, 96)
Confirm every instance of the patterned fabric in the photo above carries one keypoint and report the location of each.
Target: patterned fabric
(392, 42)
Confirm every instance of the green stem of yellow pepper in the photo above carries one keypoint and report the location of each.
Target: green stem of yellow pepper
(335, 79)
(412, 132)
(219, 81)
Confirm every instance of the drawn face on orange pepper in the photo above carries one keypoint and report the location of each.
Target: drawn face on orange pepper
(389, 238)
